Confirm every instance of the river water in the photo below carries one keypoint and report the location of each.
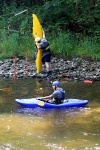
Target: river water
(49, 129)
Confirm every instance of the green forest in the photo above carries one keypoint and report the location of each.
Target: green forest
(72, 27)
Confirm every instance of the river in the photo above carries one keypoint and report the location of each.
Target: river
(49, 129)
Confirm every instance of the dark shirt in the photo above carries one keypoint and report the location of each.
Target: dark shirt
(58, 95)
(44, 45)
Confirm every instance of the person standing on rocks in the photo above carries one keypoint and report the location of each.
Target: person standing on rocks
(57, 97)
(45, 47)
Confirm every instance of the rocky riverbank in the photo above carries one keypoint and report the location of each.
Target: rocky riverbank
(75, 69)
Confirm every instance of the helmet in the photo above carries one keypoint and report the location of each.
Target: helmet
(56, 83)
(37, 39)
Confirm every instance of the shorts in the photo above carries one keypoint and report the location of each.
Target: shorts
(46, 58)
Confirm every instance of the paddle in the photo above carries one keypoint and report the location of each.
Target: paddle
(6, 89)
(41, 103)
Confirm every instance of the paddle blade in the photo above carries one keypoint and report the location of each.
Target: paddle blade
(6, 89)
(41, 103)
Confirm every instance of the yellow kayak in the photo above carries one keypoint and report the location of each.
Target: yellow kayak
(37, 32)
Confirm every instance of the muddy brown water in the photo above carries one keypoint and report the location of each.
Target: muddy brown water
(49, 129)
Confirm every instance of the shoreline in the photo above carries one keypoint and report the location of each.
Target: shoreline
(75, 69)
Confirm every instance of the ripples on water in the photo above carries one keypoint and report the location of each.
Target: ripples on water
(49, 129)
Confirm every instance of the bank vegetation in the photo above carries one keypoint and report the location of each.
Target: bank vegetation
(71, 27)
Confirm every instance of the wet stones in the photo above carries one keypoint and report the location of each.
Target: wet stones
(75, 69)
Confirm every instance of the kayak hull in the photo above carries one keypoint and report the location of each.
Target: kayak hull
(37, 32)
(33, 102)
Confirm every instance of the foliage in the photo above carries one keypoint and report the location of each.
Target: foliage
(72, 27)
(71, 46)
(63, 45)
(14, 44)
(77, 16)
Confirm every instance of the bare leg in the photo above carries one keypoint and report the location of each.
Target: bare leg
(47, 65)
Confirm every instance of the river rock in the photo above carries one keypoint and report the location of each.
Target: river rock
(77, 69)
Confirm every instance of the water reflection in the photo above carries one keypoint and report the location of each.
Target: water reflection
(53, 111)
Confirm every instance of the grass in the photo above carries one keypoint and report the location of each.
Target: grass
(88, 48)
(62, 44)
(69, 46)
(14, 44)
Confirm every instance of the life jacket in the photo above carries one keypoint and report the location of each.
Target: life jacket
(45, 48)
(60, 100)
(63, 94)
(45, 45)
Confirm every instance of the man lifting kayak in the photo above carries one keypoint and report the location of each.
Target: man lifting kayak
(45, 47)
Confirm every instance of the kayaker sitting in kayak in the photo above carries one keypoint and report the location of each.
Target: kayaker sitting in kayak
(57, 96)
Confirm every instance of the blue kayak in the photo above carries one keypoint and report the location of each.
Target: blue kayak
(33, 102)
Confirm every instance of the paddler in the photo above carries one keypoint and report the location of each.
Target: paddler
(57, 97)
(45, 47)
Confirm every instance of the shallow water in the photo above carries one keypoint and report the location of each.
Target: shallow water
(49, 129)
